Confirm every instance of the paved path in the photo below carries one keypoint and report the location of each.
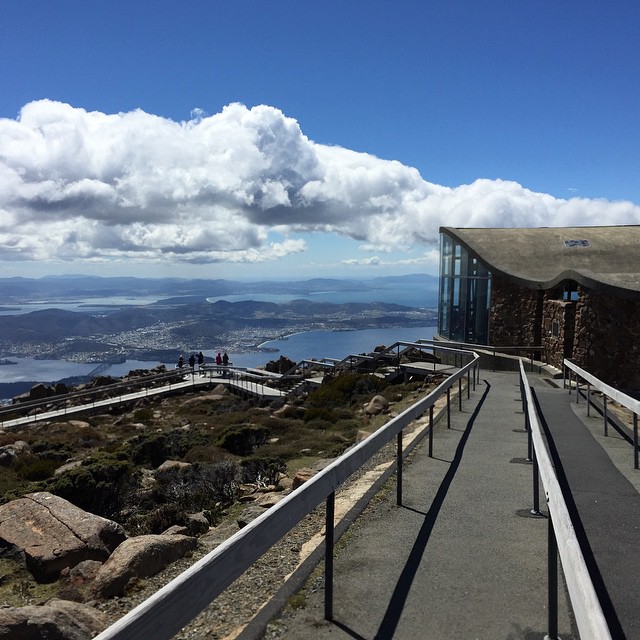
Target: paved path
(458, 559)
(598, 477)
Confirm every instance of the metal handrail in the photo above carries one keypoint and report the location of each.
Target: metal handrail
(608, 392)
(94, 395)
(167, 611)
(584, 600)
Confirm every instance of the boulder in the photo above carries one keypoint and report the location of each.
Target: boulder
(9, 453)
(217, 535)
(289, 411)
(378, 404)
(83, 572)
(53, 534)
(139, 557)
(301, 476)
(73, 464)
(55, 620)
(249, 514)
(176, 530)
(170, 465)
(197, 523)
(268, 500)
(41, 391)
(285, 483)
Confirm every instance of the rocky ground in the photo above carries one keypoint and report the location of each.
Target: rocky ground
(234, 609)
(238, 604)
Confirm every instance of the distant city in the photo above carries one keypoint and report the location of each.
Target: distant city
(112, 320)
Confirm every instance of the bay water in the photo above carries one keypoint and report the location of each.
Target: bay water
(297, 347)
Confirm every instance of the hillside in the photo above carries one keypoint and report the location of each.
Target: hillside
(178, 325)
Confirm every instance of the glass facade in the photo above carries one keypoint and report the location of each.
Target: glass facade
(464, 296)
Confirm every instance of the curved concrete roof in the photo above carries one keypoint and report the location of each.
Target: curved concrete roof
(601, 258)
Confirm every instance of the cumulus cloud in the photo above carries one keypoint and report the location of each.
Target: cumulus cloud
(233, 186)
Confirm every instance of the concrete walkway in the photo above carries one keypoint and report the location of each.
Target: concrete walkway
(461, 558)
(598, 478)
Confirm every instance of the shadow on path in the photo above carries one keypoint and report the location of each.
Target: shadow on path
(396, 604)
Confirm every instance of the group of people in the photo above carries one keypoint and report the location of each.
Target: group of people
(222, 362)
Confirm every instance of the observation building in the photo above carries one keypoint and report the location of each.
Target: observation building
(574, 292)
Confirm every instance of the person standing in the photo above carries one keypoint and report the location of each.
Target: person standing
(225, 364)
(200, 362)
(218, 362)
(192, 361)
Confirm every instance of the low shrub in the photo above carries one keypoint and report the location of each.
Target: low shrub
(242, 440)
(345, 390)
(263, 470)
(144, 415)
(101, 485)
(154, 449)
(34, 468)
(198, 487)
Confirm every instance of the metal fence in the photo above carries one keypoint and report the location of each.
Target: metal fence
(562, 538)
(179, 602)
(608, 392)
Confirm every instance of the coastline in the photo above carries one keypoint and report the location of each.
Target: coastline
(296, 346)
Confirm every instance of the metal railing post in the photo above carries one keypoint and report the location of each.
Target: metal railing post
(532, 354)
(577, 389)
(460, 394)
(536, 486)
(448, 407)
(635, 440)
(431, 431)
(468, 384)
(588, 399)
(606, 420)
(552, 567)
(399, 469)
(328, 556)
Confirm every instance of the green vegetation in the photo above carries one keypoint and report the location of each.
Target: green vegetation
(226, 441)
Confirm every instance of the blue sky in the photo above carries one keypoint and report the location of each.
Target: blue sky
(296, 139)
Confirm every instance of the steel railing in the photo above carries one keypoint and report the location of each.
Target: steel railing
(607, 391)
(562, 537)
(179, 602)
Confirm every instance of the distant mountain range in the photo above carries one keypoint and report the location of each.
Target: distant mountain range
(21, 290)
(187, 314)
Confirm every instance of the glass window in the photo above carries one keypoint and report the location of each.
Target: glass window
(464, 294)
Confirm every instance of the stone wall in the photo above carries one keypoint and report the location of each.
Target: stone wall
(558, 346)
(515, 314)
(521, 316)
(600, 332)
(607, 338)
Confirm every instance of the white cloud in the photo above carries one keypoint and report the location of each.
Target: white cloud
(78, 185)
